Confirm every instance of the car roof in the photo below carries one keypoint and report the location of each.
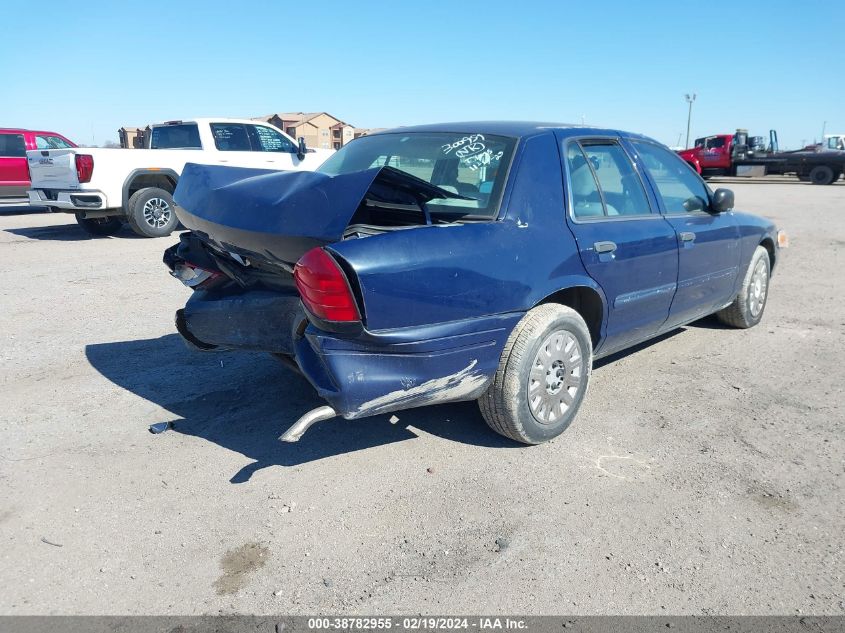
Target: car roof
(215, 119)
(20, 130)
(518, 129)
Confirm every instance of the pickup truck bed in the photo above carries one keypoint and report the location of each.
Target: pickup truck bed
(106, 187)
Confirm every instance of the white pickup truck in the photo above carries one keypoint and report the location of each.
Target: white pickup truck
(107, 187)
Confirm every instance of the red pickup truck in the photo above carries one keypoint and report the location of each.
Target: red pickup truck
(14, 173)
(741, 155)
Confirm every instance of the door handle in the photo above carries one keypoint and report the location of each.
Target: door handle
(687, 236)
(604, 247)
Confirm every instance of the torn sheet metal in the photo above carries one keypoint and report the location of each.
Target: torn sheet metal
(279, 215)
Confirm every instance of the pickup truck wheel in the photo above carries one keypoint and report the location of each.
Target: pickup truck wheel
(822, 175)
(749, 303)
(150, 212)
(99, 226)
(542, 376)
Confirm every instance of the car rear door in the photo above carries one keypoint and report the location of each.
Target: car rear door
(14, 177)
(624, 243)
(708, 254)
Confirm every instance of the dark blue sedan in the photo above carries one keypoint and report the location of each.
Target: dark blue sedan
(489, 261)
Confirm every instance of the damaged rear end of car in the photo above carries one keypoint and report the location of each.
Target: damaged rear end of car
(340, 273)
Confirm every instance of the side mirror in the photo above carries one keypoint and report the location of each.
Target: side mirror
(723, 200)
(301, 150)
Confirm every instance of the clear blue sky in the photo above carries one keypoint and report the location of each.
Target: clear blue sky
(86, 69)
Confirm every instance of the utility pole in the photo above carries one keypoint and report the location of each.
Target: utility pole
(690, 99)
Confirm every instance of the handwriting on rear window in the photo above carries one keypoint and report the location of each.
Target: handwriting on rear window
(467, 146)
(484, 158)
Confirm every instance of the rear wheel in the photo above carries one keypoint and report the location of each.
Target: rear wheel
(822, 175)
(99, 226)
(150, 212)
(749, 303)
(542, 377)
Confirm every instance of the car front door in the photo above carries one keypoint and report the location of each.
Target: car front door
(713, 156)
(708, 254)
(625, 245)
(277, 149)
(14, 176)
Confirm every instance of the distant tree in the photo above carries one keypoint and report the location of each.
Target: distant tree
(110, 144)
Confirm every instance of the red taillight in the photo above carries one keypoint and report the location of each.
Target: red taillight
(324, 288)
(84, 167)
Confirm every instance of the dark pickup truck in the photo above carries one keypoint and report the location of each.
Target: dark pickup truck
(742, 155)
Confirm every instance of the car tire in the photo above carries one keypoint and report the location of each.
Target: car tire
(99, 226)
(546, 364)
(822, 175)
(748, 306)
(151, 212)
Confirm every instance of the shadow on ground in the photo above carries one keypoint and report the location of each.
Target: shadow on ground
(67, 233)
(244, 401)
(607, 360)
(711, 322)
(20, 209)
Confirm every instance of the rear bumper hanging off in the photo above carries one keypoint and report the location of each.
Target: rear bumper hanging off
(361, 374)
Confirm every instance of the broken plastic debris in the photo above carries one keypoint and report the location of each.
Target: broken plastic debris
(393, 419)
(160, 427)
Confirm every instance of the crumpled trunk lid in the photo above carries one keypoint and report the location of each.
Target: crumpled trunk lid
(276, 216)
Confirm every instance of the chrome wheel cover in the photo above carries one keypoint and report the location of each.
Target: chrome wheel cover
(757, 288)
(157, 212)
(556, 376)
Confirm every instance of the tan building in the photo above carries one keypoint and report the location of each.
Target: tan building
(319, 129)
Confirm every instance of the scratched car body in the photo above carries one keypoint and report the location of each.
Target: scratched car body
(491, 261)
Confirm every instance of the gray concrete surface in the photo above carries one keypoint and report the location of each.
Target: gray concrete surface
(703, 475)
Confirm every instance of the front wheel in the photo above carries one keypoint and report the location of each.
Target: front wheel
(749, 303)
(99, 226)
(150, 212)
(542, 376)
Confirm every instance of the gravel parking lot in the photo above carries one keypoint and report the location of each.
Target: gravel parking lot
(703, 475)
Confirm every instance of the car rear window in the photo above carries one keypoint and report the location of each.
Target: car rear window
(473, 165)
(181, 136)
(12, 145)
(44, 141)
